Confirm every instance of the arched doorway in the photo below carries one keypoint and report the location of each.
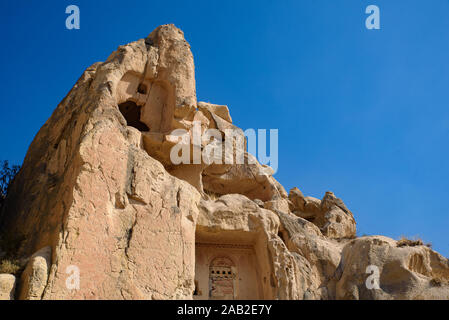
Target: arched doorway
(222, 276)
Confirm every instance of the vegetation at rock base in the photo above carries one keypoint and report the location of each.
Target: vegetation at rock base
(10, 266)
(8, 247)
(212, 195)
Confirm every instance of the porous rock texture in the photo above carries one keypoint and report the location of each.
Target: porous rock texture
(7, 286)
(98, 191)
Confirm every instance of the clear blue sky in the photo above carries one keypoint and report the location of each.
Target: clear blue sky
(362, 113)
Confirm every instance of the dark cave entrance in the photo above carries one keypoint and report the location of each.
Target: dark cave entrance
(131, 111)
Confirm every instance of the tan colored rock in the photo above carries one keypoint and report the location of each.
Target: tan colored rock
(297, 200)
(318, 255)
(109, 208)
(7, 286)
(221, 111)
(404, 272)
(138, 226)
(34, 278)
(338, 220)
(330, 200)
(159, 75)
(305, 207)
(312, 205)
(338, 224)
(330, 214)
(252, 180)
(278, 204)
(236, 220)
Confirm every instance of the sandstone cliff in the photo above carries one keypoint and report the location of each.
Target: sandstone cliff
(98, 191)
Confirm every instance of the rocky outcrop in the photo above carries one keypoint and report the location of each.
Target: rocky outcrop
(109, 208)
(7, 286)
(330, 214)
(404, 272)
(119, 219)
(35, 276)
(236, 219)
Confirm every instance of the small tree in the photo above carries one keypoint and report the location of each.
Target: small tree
(7, 174)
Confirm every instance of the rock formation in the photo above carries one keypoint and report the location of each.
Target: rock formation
(99, 193)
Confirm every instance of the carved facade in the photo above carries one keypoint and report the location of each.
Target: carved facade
(226, 272)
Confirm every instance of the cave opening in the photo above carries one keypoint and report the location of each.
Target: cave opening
(131, 111)
(142, 89)
(281, 235)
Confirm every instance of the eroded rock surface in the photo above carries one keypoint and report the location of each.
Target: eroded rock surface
(98, 190)
(405, 272)
(34, 279)
(7, 286)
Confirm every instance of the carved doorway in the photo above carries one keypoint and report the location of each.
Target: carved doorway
(222, 276)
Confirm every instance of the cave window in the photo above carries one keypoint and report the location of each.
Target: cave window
(310, 219)
(142, 89)
(131, 111)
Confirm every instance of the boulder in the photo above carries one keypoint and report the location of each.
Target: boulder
(402, 273)
(34, 278)
(7, 286)
(209, 109)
